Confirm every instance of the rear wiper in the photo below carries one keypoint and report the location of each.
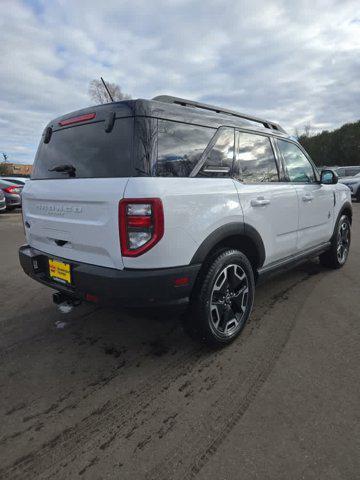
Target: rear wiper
(69, 169)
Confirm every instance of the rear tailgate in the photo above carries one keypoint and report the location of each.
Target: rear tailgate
(75, 219)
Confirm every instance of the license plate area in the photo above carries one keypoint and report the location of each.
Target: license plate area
(60, 271)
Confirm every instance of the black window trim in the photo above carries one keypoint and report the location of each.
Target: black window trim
(278, 162)
(307, 156)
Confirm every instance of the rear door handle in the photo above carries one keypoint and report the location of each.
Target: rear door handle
(260, 202)
(308, 198)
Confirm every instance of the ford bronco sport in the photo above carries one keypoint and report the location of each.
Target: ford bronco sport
(151, 201)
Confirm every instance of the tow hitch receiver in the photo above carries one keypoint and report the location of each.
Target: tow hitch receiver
(65, 303)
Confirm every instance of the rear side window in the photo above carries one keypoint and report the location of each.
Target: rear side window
(92, 152)
(255, 160)
(180, 147)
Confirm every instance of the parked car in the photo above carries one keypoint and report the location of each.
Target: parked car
(192, 201)
(12, 193)
(349, 171)
(354, 184)
(2, 202)
(17, 180)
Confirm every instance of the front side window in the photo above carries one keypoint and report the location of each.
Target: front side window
(297, 166)
(180, 147)
(219, 160)
(255, 160)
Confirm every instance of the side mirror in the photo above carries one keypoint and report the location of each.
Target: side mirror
(328, 177)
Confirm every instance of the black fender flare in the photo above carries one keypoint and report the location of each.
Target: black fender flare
(232, 229)
(345, 206)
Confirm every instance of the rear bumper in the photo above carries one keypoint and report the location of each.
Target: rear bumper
(127, 287)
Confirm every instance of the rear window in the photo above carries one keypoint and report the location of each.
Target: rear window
(92, 152)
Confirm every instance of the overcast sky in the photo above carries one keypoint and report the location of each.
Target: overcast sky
(292, 62)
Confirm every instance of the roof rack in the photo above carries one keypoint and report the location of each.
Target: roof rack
(204, 106)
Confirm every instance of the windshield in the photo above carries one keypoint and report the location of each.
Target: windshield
(87, 151)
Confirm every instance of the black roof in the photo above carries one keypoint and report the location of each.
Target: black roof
(177, 109)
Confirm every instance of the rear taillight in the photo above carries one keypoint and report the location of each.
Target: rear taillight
(12, 189)
(141, 225)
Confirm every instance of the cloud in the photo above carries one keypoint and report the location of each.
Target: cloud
(294, 63)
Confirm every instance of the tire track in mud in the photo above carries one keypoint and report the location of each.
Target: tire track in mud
(120, 412)
(186, 459)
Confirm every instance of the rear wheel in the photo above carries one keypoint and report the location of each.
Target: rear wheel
(337, 255)
(222, 299)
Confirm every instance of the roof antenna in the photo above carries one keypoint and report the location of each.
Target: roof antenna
(106, 88)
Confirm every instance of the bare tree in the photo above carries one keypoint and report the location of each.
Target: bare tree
(98, 93)
(307, 130)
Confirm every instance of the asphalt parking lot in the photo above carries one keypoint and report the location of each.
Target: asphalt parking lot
(112, 394)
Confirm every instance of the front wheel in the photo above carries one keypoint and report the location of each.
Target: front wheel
(338, 253)
(222, 299)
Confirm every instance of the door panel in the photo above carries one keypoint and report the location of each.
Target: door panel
(272, 209)
(316, 214)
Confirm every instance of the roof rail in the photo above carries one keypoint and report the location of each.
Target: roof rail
(212, 108)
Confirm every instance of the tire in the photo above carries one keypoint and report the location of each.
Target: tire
(338, 253)
(222, 299)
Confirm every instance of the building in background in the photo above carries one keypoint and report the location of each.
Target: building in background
(16, 169)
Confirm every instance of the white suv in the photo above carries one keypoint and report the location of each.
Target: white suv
(152, 201)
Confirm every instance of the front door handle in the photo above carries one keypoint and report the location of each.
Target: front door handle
(260, 202)
(308, 198)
